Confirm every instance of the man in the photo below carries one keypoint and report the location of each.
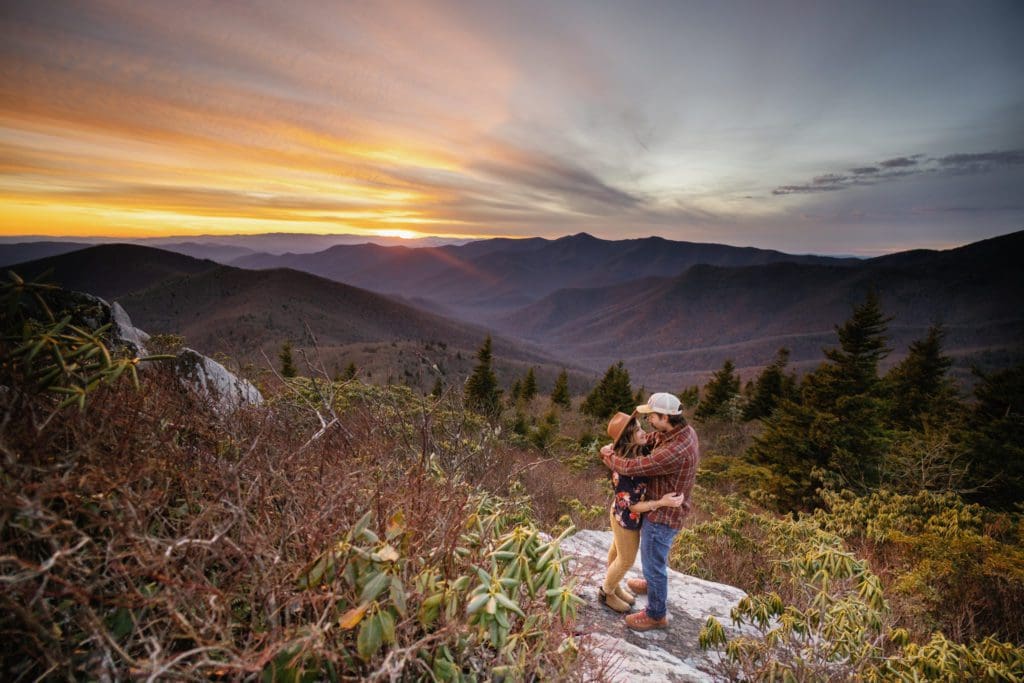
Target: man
(672, 467)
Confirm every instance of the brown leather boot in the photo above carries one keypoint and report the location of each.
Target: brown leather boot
(638, 586)
(639, 621)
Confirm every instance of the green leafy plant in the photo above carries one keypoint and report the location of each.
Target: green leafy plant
(511, 589)
(47, 353)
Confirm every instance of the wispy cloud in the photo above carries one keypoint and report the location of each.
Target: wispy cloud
(900, 162)
(903, 167)
(983, 162)
(496, 118)
(576, 187)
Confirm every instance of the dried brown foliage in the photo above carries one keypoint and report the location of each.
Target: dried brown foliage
(149, 537)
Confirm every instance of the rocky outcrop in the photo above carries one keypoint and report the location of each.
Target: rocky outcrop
(212, 379)
(124, 332)
(202, 374)
(660, 655)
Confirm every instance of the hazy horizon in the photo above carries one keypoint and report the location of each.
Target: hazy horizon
(385, 240)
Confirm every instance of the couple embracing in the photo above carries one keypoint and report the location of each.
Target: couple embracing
(653, 473)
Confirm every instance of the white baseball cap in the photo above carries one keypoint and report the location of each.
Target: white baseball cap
(661, 402)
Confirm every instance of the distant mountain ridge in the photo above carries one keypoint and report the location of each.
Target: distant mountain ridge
(113, 270)
(666, 326)
(483, 279)
(245, 313)
(18, 252)
(578, 300)
(208, 246)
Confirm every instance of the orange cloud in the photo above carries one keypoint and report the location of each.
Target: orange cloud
(216, 126)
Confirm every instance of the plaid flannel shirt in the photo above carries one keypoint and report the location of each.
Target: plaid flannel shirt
(672, 468)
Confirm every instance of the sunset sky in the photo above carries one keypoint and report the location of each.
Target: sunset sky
(829, 127)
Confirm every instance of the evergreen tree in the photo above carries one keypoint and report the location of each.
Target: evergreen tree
(862, 345)
(546, 431)
(350, 372)
(529, 386)
(613, 393)
(438, 388)
(482, 392)
(638, 397)
(718, 392)
(771, 386)
(690, 396)
(287, 362)
(520, 425)
(839, 425)
(920, 387)
(748, 390)
(560, 392)
(995, 438)
(514, 393)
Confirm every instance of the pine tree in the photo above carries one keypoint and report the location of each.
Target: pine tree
(839, 424)
(560, 392)
(613, 393)
(995, 438)
(723, 387)
(287, 362)
(690, 396)
(529, 386)
(350, 372)
(519, 424)
(482, 392)
(772, 385)
(920, 387)
(546, 431)
(862, 345)
(515, 393)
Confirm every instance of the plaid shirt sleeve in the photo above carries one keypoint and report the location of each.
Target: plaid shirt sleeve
(671, 455)
(672, 468)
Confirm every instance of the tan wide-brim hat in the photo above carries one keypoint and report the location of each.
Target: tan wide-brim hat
(617, 426)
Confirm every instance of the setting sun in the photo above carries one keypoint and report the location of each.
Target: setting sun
(401, 234)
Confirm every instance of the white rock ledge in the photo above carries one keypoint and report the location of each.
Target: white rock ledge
(670, 655)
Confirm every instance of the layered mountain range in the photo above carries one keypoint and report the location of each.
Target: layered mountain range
(673, 311)
(247, 315)
(482, 280)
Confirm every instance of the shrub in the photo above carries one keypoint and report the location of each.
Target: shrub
(952, 565)
(149, 537)
(857, 589)
(832, 630)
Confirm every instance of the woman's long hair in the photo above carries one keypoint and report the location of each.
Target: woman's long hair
(627, 447)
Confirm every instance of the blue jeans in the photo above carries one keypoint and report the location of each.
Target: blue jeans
(655, 542)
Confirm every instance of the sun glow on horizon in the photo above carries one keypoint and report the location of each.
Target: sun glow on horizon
(401, 234)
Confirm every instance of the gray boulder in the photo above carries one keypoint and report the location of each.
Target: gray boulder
(209, 378)
(124, 332)
(200, 373)
(196, 371)
(673, 654)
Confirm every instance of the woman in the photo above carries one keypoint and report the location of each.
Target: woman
(628, 506)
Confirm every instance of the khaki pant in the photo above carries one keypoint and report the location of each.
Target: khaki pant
(622, 554)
